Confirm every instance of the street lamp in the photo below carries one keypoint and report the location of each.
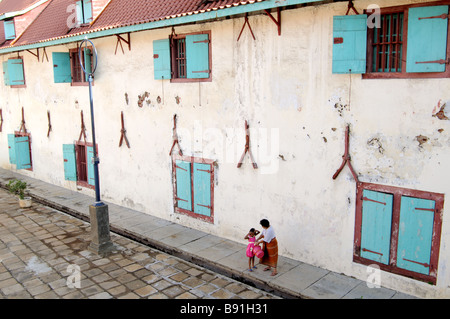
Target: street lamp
(100, 235)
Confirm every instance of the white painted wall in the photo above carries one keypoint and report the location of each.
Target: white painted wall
(297, 110)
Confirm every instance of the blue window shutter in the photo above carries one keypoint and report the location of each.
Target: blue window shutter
(61, 67)
(12, 148)
(427, 39)
(10, 32)
(202, 189)
(161, 59)
(87, 11)
(415, 234)
(87, 62)
(5, 73)
(23, 158)
(15, 72)
(349, 44)
(70, 162)
(183, 175)
(376, 226)
(197, 56)
(90, 165)
(79, 8)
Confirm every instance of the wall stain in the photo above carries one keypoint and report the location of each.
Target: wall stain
(142, 98)
(375, 142)
(441, 113)
(421, 139)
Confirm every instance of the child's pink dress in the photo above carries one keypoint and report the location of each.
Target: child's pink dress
(250, 246)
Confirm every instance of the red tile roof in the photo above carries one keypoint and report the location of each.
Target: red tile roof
(7, 6)
(52, 23)
(130, 12)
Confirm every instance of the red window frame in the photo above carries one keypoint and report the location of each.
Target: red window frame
(82, 166)
(397, 193)
(370, 74)
(78, 76)
(178, 55)
(192, 160)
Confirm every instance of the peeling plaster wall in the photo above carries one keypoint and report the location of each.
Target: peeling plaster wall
(297, 111)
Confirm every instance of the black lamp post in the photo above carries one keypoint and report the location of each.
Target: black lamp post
(100, 235)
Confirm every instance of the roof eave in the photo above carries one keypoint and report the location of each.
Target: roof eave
(162, 23)
(9, 15)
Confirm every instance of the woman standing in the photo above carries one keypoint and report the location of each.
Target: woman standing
(270, 246)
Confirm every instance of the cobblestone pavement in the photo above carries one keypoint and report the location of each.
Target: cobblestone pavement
(44, 255)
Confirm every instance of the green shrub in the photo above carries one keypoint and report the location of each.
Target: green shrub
(17, 187)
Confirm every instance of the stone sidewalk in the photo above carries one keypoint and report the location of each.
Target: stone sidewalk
(44, 255)
(295, 279)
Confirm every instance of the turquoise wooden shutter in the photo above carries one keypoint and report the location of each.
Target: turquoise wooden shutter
(10, 32)
(5, 73)
(202, 189)
(197, 56)
(427, 39)
(90, 165)
(415, 234)
(15, 72)
(87, 62)
(79, 9)
(161, 59)
(349, 44)
(183, 175)
(12, 148)
(61, 67)
(87, 11)
(23, 158)
(376, 226)
(70, 162)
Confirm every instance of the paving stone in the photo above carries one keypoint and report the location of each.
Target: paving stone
(173, 291)
(135, 284)
(207, 289)
(179, 276)
(194, 282)
(101, 278)
(34, 291)
(47, 295)
(146, 291)
(118, 290)
(161, 285)
(129, 295)
(101, 295)
(13, 289)
(186, 295)
(158, 296)
(109, 284)
(235, 288)
(222, 294)
(133, 267)
(249, 294)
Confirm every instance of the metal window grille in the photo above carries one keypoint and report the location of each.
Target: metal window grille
(388, 43)
(77, 72)
(180, 58)
(81, 163)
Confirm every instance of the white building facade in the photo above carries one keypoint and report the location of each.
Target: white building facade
(299, 91)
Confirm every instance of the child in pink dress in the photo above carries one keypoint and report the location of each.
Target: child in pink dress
(251, 236)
